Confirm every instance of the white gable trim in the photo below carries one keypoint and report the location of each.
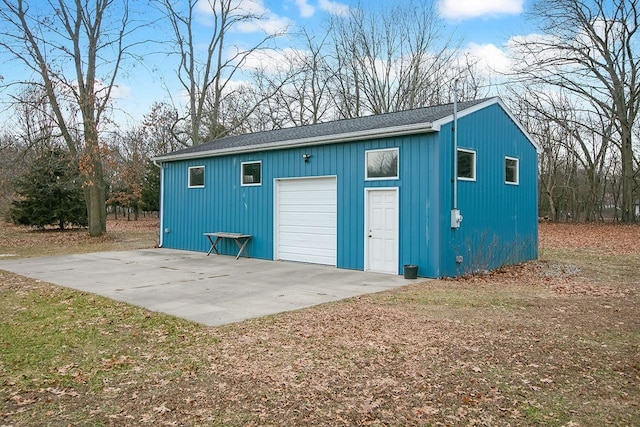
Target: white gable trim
(467, 111)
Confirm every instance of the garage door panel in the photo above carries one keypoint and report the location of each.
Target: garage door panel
(312, 220)
(306, 251)
(309, 210)
(319, 240)
(302, 233)
(313, 257)
(322, 193)
(309, 207)
(307, 220)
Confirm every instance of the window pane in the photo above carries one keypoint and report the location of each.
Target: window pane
(511, 170)
(251, 173)
(382, 164)
(196, 177)
(466, 165)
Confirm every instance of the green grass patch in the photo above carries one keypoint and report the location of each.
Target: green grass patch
(449, 294)
(54, 337)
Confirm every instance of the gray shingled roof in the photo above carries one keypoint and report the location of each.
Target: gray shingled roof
(257, 140)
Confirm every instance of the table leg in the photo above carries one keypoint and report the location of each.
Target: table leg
(241, 247)
(213, 245)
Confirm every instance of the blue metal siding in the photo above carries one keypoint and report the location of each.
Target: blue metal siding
(500, 220)
(224, 205)
(419, 182)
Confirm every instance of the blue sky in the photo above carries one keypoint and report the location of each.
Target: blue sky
(475, 21)
(483, 26)
(482, 21)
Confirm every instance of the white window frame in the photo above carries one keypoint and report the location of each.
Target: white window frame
(473, 165)
(515, 159)
(189, 176)
(381, 178)
(251, 184)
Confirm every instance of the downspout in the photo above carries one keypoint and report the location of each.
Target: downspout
(161, 207)
(456, 218)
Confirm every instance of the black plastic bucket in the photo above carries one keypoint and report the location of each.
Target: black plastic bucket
(410, 271)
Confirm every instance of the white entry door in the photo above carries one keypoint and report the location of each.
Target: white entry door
(381, 234)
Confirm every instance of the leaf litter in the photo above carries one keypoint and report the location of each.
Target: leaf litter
(542, 343)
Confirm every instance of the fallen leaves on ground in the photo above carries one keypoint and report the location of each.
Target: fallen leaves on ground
(16, 241)
(551, 342)
(602, 238)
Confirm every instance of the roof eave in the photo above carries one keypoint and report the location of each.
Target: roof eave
(306, 142)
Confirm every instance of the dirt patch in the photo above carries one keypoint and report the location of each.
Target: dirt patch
(552, 342)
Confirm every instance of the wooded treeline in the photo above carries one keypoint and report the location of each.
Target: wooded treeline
(573, 86)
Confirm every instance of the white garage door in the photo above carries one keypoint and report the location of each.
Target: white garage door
(306, 218)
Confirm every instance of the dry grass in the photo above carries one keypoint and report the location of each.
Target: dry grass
(554, 342)
(121, 235)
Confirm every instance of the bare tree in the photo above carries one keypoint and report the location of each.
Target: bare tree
(306, 98)
(11, 166)
(243, 112)
(232, 111)
(205, 74)
(33, 121)
(76, 48)
(565, 124)
(162, 130)
(392, 60)
(589, 48)
(296, 92)
(529, 109)
(126, 161)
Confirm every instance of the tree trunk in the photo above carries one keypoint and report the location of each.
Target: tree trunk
(552, 205)
(626, 154)
(93, 172)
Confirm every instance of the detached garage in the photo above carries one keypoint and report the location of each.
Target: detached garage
(372, 193)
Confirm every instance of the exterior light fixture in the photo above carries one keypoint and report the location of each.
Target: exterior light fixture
(306, 157)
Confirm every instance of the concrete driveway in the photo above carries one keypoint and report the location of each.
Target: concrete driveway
(213, 290)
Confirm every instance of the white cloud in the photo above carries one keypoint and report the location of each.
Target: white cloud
(118, 91)
(121, 91)
(306, 10)
(272, 60)
(254, 7)
(512, 55)
(271, 24)
(467, 9)
(334, 7)
(490, 58)
(520, 48)
(265, 20)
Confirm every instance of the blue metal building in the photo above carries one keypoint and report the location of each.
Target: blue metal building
(373, 193)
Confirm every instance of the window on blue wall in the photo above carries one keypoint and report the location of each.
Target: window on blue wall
(251, 173)
(511, 173)
(381, 164)
(196, 176)
(466, 165)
